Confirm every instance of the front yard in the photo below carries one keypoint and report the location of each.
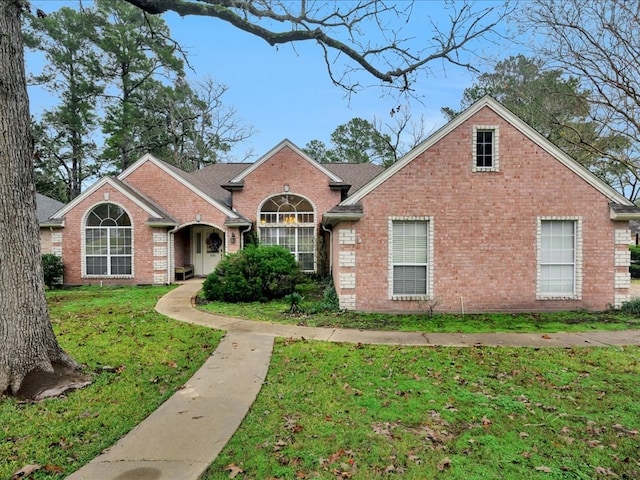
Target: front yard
(345, 411)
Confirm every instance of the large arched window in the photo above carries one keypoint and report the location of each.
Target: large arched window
(108, 241)
(289, 221)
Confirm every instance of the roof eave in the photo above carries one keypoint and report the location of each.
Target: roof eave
(161, 223)
(624, 216)
(331, 219)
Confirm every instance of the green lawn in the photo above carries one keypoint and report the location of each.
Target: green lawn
(149, 357)
(341, 411)
(276, 311)
(365, 412)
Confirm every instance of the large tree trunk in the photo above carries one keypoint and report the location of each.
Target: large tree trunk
(27, 341)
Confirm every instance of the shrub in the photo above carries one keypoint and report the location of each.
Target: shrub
(634, 268)
(257, 273)
(330, 301)
(632, 307)
(53, 269)
(294, 300)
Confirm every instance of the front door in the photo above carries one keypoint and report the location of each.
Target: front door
(206, 245)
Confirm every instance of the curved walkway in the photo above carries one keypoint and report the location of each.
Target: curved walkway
(185, 435)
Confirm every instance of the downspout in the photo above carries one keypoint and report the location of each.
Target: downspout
(330, 247)
(242, 232)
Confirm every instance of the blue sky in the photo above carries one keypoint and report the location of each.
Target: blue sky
(285, 92)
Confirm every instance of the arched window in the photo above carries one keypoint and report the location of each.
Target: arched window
(289, 221)
(108, 241)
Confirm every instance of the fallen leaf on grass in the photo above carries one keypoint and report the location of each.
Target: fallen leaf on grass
(53, 469)
(605, 471)
(544, 469)
(25, 471)
(233, 470)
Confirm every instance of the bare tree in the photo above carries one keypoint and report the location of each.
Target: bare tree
(599, 42)
(362, 32)
(401, 132)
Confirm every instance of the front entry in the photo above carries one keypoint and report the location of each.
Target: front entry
(206, 248)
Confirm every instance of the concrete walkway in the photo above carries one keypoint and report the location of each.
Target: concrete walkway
(185, 435)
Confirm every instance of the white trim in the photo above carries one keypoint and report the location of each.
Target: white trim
(516, 122)
(285, 143)
(95, 187)
(163, 166)
(430, 261)
(495, 140)
(577, 271)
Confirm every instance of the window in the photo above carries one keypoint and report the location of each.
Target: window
(559, 248)
(485, 148)
(107, 242)
(289, 221)
(409, 251)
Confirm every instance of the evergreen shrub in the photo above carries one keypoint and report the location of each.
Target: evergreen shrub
(255, 274)
(634, 268)
(53, 269)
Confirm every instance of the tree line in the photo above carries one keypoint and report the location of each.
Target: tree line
(122, 91)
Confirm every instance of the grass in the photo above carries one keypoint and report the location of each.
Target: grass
(452, 413)
(139, 359)
(341, 411)
(276, 311)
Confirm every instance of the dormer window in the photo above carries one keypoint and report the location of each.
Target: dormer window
(485, 148)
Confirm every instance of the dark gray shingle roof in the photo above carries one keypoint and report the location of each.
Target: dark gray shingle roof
(46, 206)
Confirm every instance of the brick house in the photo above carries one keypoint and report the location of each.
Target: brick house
(485, 215)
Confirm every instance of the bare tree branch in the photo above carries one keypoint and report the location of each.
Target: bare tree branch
(368, 33)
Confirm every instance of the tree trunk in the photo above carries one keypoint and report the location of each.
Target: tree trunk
(27, 341)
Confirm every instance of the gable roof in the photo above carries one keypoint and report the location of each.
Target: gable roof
(355, 174)
(212, 177)
(157, 216)
(516, 122)
(284, 144)
(45, 208)
(186, 179)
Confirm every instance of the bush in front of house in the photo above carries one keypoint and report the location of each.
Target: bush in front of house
(631, 307)
(53, 269)
(634, 268)
(255, 274)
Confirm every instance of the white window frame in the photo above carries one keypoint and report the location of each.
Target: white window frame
(577, 260)
(429, 265)
(298, 221)
(495, 161)
(83, 238)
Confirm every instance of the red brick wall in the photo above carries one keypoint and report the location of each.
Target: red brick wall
(175, 198)
(285, 167)
(142, 240)
(485, 225)
(303, 178)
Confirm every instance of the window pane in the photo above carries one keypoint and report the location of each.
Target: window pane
(96, 241)
(409, 280)
(305, 260)
(96, 265)
(409, 242)
(484, 148)
(557, 279)
(120, 265)
(557, 257)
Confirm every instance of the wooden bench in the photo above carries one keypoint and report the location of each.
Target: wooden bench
(185, 272)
